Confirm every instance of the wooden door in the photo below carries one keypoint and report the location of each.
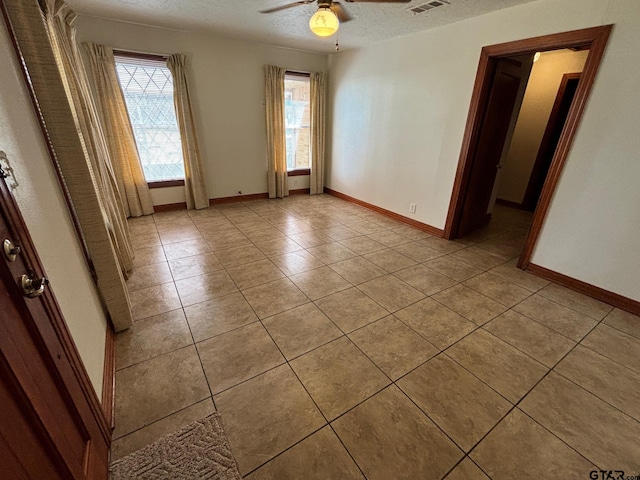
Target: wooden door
(500, 109)
(49, 426)
(549, 143)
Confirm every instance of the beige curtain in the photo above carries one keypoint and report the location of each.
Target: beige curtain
(59, 19)
(194, 178)
(318, 87)
(276, 141)
(117, 130)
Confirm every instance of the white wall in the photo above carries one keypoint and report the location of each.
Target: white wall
(227, 84)
(44, 209)
(399, 112)
(542, 89)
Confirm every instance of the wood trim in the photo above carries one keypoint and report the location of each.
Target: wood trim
(528, 201)
(142, 56)
(614, 299)
(593, 38)
(109, 378)
(238, 198)
(169, 207)
(166, 183)
(293, 73)
(509, 203)
(387, 213)
(300, 191)
(299, 172)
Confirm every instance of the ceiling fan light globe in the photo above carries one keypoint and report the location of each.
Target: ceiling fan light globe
(324, 23)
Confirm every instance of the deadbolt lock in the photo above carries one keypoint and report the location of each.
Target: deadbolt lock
(11, 250)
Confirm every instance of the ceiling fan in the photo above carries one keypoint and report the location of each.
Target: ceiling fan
(330, 14)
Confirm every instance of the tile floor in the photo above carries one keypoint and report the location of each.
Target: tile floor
(337, 343)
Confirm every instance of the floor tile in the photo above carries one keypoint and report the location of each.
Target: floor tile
(153, 389)
(219, 315)
(388, 238)
(530, 337)
(362, 245)
(148, 276)
(236, 356)
(442, 245)
(338, 376)
(498, 289)
(470, 304)
(277, 246)
(339, 232)
(181, 234)
(301, 329)
(331, 252)
(616, 345)
(296, 262)
(563, 320)
(144, 241)
(194, 265)
(392, 346)
(146, 228)
(255, 273)
(511, 273)
(577, 301)
(274, 297)
(435, 322)
(265, 236)
(390, 260)
(466, 470)
(152, 337)
(505, 369)
(389, 437)
(152, 432)
(231, 257)
(391, 292)
(148, 256)
(417, 251)
(293, 227)
(478, 258)
(624, 321)
(454, 268)
(350, 309)
(604, 435)
(204, 287)
(411, 232)
(520, 448)
(174, 251)
(319, 283)
(606, 379)
(426, 280)
(311, 238)
(464, 407)
(265, 416)
(357, 270)
(365, 227)
(154, 300)
(318, 457)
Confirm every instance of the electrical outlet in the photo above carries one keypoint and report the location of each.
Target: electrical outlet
(412, 208)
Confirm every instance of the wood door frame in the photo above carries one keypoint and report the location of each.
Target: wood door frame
(527, 200)
(595, 39)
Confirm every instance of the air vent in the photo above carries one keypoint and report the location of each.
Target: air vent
(425, 7)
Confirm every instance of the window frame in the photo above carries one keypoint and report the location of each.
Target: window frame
(297, 172)
(176, 182)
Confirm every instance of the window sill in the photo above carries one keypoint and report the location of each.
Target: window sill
(297, 173)
(166, 183)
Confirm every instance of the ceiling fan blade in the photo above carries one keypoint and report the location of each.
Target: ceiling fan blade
(340, 11)
(378, 1)
(288, 5)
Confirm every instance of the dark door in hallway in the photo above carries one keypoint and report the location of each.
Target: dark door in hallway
(549, 143)
(493, 135)
(47, 428)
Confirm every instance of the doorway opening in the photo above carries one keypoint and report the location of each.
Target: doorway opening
(496, 128)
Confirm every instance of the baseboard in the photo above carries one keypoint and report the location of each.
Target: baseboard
(238, 198)
(509, 203)
(300, 191)
(109, 377)
(598, 293)
(388, 213)
(169, 207)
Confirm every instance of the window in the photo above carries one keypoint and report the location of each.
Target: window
(297, 114)
(148, 93)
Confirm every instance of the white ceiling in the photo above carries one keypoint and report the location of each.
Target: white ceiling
(372, 22)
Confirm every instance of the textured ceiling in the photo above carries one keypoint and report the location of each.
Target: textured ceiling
(372, 22)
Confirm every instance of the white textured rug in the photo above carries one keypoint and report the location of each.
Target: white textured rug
(197, 451)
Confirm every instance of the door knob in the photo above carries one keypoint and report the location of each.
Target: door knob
(11, 250)
(32, 287)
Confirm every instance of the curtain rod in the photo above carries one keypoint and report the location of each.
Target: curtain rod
(147, 56)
